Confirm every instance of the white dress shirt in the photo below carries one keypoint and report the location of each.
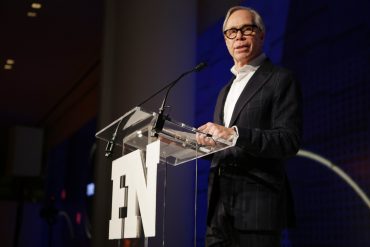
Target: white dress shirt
(243, 75)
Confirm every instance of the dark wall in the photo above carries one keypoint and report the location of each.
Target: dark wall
(69, 171)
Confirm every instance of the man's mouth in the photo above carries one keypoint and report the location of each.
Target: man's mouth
(241, 47)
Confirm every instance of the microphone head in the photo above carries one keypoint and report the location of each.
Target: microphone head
(200, 66)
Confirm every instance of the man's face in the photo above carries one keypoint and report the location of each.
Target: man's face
(243, 48)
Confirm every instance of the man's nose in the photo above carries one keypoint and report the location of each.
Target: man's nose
(239, 34)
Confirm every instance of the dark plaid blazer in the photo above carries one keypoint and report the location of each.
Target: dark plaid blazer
(268, 115)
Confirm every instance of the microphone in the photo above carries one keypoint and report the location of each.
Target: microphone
(200, 66)
(159, 123)
(110, 145)
(197, 68)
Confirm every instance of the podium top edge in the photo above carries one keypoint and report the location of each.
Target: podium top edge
(136, 108)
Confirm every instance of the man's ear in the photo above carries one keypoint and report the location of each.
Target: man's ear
(262, 36)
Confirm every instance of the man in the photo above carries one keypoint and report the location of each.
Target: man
(249, 196)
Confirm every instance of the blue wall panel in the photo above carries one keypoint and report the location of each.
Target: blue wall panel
(327, 45)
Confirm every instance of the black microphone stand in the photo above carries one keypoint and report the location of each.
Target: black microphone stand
(161, 118)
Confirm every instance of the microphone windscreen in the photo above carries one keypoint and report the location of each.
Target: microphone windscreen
(200, 66)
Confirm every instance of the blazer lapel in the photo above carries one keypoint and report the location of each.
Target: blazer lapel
(257, 81)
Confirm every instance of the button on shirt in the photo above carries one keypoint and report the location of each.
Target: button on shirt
(243, 75)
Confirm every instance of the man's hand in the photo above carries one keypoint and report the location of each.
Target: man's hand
(215, 131)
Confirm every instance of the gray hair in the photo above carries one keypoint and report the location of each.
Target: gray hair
(257, 19)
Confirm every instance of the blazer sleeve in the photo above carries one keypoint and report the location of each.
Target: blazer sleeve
(282, 140)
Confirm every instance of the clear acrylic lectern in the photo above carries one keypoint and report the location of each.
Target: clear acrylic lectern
(178, 145)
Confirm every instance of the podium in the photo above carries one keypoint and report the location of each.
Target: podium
(134, 136)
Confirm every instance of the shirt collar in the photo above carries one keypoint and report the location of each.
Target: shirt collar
(252, 66)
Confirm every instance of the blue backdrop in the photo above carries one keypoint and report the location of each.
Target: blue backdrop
(327, 44)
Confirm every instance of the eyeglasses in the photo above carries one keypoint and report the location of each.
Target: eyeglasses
(245, 30)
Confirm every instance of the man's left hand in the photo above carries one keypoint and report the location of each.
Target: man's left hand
(216, 131)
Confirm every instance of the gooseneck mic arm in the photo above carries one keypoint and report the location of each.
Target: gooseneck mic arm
(158, 125)
(161, 118)
(171, 84)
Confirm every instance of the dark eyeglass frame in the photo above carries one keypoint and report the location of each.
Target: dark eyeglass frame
(246, 30)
